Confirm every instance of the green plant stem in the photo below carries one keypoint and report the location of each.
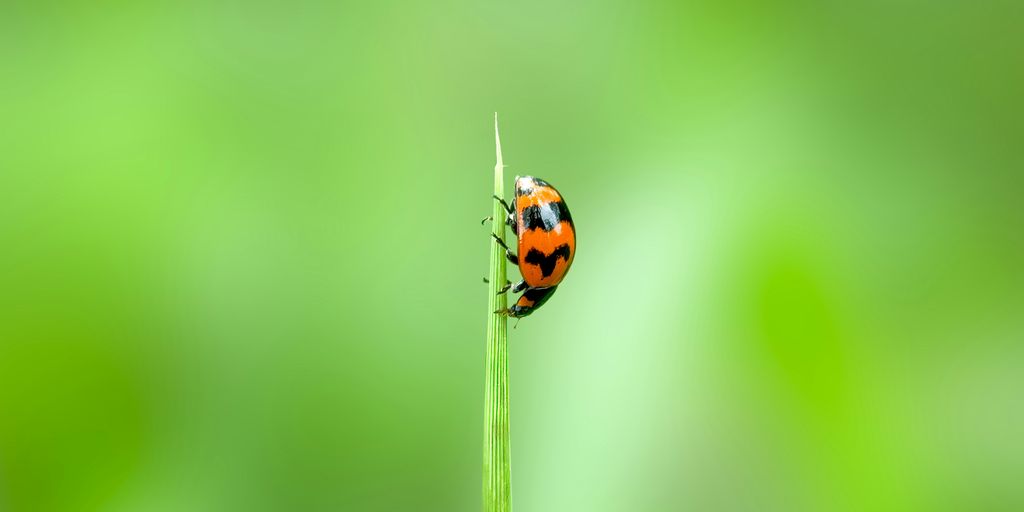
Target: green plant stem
(497, 472)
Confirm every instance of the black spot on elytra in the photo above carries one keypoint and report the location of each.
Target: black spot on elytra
(545, 216)
(547, 262)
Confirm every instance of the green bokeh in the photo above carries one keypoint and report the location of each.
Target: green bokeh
(240, 256)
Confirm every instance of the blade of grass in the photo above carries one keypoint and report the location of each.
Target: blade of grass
(497, 472)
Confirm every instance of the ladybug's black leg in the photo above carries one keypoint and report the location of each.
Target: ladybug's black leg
(511, 213)
(510, 313)
(518, 287)
(510, 220)
(499, 240)
(503, 203)
(508, 252)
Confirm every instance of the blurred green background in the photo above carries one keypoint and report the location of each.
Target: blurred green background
(241, 259)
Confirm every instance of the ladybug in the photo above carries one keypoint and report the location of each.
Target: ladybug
(547, 243)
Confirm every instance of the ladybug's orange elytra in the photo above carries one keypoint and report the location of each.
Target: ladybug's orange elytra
(547, 242)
